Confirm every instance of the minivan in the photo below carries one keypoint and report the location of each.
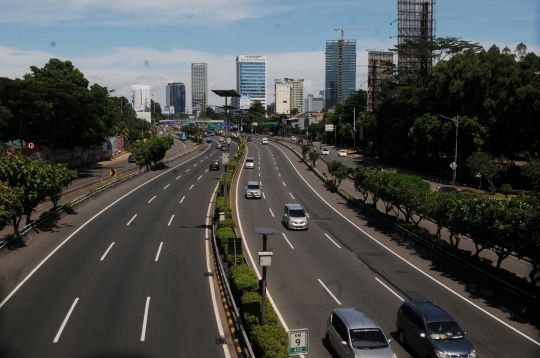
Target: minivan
(431, 332)
(351, 333)
(250, 163)
(264, 141)
(253, 189)
(294, 217)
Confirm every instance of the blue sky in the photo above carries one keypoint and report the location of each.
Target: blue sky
(120, 43)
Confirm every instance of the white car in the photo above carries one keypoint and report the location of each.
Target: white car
(293, 138)
(325, 151)
(342, 153)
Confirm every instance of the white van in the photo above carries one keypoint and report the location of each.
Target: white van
(265, 141)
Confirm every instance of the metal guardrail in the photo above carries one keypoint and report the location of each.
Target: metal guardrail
(408, 234)
(88, 196)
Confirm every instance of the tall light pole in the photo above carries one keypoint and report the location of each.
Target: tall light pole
(354, 129)
(454, 164)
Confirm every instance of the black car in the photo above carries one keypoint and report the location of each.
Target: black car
(249, 139)
(300, 142)
(214, 165)
(243, 137)
(310, 143)
(447, 189)
(132, 158)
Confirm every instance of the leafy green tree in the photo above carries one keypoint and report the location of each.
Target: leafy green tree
(59, 70)
(484, 165)
(313, 157)
(305, 151)
(532, 170)
(294, 111)
(339, 172)
(59, 177)
(10, 204)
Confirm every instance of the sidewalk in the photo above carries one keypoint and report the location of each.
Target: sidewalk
(511, 264)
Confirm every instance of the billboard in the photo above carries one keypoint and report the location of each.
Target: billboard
(165, 110)
(140, 98)
(171, 110)
(245, 101)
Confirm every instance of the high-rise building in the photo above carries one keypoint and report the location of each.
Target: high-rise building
(199, 85)
(295, 95)
(175, 96)
(251, 79)
(416, 22)
(314, 104)
(340, 71)
(283, 97)
(380, 67)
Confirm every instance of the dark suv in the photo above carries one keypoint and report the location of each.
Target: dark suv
(214, 165)
(431, 332)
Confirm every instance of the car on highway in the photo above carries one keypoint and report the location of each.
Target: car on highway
(214, 165)
(350, 332)
(447, 189)
(342, 153)
(221, 139)
(325, 151)
(293, 138)
(208, 140)
(249, 139)
(132, 158)
(218, 146)
(265, 141)
(310, 143)
(253, 190)
(295, 217)
(250, 163)
(223, 148)
(243, 137)
(300, 141)
(431, 331)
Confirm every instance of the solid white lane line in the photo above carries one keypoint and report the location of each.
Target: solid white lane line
(199, 177)
(166, 186)
(331, 294)
(178, 177)
(159, 250)
(65, 321)
(42, 262)
(106, 252)
(150, 200)
(291, 195)
(182, 199)
(292, 247)
(389, 289)
(192, 185)
(131, 219)
(332, 240)
(187, 170)
(271, 212)
(145, 319)
(408, 263)
(170, 221)
(284, 184)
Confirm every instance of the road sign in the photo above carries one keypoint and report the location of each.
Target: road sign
(31, 145)
(225, 159)
(453, 165)
(329, 127)
(112, 172)
(297, 341)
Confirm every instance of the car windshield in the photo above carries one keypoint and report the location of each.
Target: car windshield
(297, 213)
(253, 186)
(367, 338)
(248, 160)
(444, 330)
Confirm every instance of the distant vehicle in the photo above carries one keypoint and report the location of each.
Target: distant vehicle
(310, 143)
(223, 148)
(352, 333)
(253, 189)
(249, 139)
(293, 138)
(265, 141)
(325, 151)
(183, 136)
(243, 137)
(250, 163)
(132, 158)
(447, 189)
(300, 142)
(208, 140)
(214, 165)
(221, 139)
(431, 331)
(342, 153)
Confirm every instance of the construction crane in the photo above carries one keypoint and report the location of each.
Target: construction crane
(342, 29)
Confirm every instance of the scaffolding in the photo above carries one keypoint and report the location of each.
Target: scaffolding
(416, 22)
(380, 67)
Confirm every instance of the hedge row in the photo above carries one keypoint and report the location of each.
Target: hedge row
(270, 340)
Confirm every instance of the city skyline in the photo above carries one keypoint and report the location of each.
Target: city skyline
(126, 47)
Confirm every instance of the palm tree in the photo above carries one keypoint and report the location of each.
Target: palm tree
(121, 129)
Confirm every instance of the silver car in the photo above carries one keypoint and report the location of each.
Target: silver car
(250, 163)
(295, 217)
(253, 189)
(353, 334)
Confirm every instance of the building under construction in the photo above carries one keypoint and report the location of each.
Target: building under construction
(416, 22)
(380, 67)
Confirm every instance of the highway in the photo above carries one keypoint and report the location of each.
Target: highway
(126, 276)
(345, 261)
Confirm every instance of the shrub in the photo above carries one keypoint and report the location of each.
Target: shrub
(251, 301)
(223, 235)
(506, 189)
(226, 223)
(270, 341)
(242, 280)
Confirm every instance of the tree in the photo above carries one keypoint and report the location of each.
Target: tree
(294, 111)
(532, 170)
(10, 204)
(305, 151)
(484, 165)
(60, 176)
(313, 157)
(339, 171)
(59, 70)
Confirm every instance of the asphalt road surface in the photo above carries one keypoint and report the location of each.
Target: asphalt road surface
(344, 261)
(125, 276)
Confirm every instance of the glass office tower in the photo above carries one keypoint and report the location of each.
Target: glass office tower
(175, 96)
(251, 78)
(199, 85)
(340, 76)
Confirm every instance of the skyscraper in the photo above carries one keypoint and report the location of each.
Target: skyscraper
(340, 74)
(380, 66)
(251, 78)
(175, 96)
(199, 85)
(295, 95)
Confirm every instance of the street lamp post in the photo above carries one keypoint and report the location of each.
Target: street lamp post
(226, 93)
(265, 260)
(454, 164)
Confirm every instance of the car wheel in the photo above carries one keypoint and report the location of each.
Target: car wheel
(401, 337)
(327, 341)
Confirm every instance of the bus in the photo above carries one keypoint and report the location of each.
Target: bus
(183, 136)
